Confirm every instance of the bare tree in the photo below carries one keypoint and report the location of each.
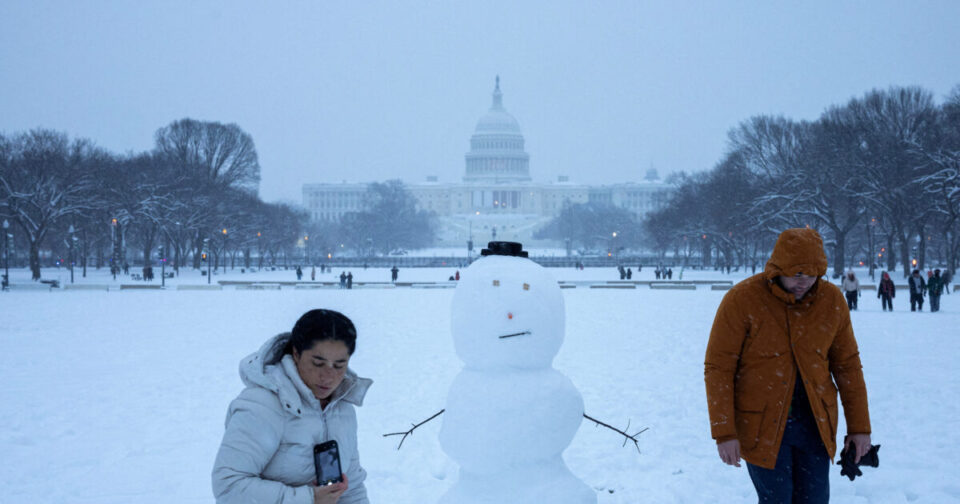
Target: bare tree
(839, 197)
(889, 122)
(43, 181)
(220, 155)
(393, 221)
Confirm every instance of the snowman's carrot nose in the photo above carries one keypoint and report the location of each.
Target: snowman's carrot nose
(514, 334)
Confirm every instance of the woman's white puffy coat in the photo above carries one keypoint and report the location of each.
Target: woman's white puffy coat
(266, 455)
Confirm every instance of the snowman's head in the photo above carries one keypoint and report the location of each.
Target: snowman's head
(507, 312)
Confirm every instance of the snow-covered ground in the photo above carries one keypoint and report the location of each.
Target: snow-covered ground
(120, 396)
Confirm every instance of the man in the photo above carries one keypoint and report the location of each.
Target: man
(917, 288)
(935, 288)
(851, 288)
(780, 348)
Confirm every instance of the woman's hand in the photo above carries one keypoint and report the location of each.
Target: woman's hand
(330, 494)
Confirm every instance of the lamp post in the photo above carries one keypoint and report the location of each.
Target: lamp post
(306, 250)
(616, 253)
(163, 268)
(176, 250)
(470, 241)
(70, 241)
(259, 253)
(115, 261)
(85, 252)
(870, 244)
(206, 246)
(224, 250)
(6, 254)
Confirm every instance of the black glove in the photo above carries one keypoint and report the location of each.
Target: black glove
(851, 469)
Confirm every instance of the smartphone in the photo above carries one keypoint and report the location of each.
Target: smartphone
(326, 460)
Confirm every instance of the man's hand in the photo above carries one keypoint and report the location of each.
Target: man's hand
(860, 441)
(330, 494)
(730, 452)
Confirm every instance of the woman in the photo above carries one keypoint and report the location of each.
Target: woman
(299, 393)
(851, 287)
(886, 291)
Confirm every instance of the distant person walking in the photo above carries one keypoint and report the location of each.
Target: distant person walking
(935, 288)
(343, 279)
(886, 291)
(947, 277)
(299, 274)
(350, 280)
(313, 273)
(393, 273)
(917, 288)
(851, 289)
(629, 273)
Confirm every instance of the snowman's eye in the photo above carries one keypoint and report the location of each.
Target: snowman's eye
(526, 286)
(496, 283)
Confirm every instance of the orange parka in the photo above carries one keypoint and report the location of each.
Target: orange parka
(762, 337)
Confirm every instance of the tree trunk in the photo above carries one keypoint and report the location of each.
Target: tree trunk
(953, 249)
(839, 252)
(921, 249)
(35, 260)
(905, 253)
(891, 256)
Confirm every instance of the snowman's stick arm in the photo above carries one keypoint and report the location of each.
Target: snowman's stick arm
(631, 437)
(409, 432)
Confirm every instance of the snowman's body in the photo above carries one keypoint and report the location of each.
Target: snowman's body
(509, 413)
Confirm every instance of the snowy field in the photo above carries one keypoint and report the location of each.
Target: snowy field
(120, 396)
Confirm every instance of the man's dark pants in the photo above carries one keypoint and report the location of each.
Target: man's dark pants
(802, 471)
(934, 302)
(851, 300)
(916, 301)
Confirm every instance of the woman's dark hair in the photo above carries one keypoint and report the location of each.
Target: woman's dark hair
(321, 325)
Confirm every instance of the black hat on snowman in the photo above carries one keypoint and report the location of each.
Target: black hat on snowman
(504, 248)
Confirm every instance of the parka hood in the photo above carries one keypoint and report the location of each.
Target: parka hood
(268, 369)
(798, 250)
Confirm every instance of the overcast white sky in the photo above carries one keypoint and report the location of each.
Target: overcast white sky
(367, 91)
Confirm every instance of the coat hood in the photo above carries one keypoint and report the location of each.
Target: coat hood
(798, 250)
(268, 368)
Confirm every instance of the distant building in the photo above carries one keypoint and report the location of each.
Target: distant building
(497, 198)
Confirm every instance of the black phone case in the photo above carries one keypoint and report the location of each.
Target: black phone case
(317, 451)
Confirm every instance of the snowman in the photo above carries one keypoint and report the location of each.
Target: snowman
(510, 414)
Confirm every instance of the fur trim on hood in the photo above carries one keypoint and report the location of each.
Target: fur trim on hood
(265, 368)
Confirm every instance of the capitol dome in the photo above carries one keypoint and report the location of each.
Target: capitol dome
(497, 120)
(496, 147)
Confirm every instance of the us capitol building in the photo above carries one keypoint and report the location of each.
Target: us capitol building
(497, 198)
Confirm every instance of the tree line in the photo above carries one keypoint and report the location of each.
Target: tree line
(878, 177)
(192, 198)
